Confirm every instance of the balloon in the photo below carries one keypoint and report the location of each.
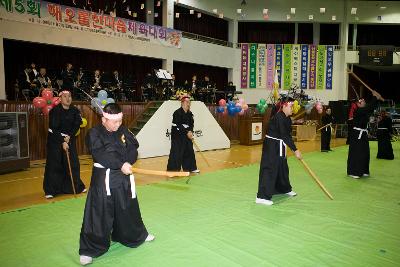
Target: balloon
(78, 132)
(84, 123)
(231, 111)
(231, 104)
(263, 101)
(241, 112)
(222, 102)
(39, 102)
(220, 109)
(103, 102)
(110, 100)
(56, 100)
(319, 110)
(245, 106)
(47, 94)
(238, 109)
(262, 111)
(46, 110)
(102, 94)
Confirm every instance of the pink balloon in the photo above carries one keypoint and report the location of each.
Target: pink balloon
(241, 101)
(47, 94)
(46, 109)
(245, 107)
(56, 100)
(222, 102)
(319, 111)
(39, 102)
(241, 112)
(238, 104)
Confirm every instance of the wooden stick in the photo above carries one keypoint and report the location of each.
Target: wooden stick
(329, 124)
(358, 78)
(201, 153)
(354, 90)
(159, 173)
(316, 179)
(299, 114)
(70, 172)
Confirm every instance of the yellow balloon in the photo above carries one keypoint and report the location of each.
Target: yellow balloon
(78, 132)
(84, 123)
(296, 107)
(104, 102)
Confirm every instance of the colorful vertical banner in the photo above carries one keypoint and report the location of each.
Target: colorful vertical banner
(313, 63)
(244, 65)
(321, 66)
(287, 66)
(296, 65)
(304, 66)
(329, 67)
(261, 66)
(278, 62)
(253, 65)
(270, 66)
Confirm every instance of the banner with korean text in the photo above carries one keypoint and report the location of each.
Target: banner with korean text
(71, 18)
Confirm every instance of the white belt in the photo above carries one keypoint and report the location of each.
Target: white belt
(62, 134)
(280, 144)
(174, 125)
(107, 180)
(361, 131)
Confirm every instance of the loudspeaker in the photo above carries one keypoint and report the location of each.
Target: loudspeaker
(14, 143)
(339, 111)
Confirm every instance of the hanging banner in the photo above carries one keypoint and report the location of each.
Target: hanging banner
(287, 66)
(261, 67)
(253, 65)
(244, 65)
(270, 66)
(296, 65)
(278, 62)
(329, 67)
(304, 66)
(321, 67)
(313, 61)
(71, 18)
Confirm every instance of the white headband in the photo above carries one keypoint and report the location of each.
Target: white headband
(112, 116)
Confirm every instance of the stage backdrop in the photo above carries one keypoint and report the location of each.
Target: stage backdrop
(155, 136)
(307, 66)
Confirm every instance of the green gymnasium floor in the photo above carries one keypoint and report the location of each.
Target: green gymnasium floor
(214, 221)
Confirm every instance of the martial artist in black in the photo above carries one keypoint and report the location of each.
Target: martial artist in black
(64, 122)
(359, 154)
(385, 150)
(182, 154)
(327, 121)
(274, 170)
(112, 208)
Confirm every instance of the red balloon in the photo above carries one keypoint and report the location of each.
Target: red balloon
(56, 101)
(46, 110)
(39, 102)
(47, 94)
(222, 102)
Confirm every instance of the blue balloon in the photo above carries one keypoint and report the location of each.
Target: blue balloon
(110, 100)
(220, 109)
(231, 104)
(102, 95)
(231, 111)
(238, 109)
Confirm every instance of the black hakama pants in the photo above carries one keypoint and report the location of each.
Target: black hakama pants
(181, 154)
(385, 149)
(326, 139)
(57, 178)
(116, 217)
(359, 154)
(274, 171)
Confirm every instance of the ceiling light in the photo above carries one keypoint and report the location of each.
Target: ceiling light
(310, 17)
(215, 11)
(265, 11)
(334, 17)
(353, 10)
(322, 10)
(191, 12)
(239, 11)
(292, 10)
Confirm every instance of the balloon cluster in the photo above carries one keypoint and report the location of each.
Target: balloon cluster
(318, 107)
(232, 108)
(311, 104)
(46, 102)
(83, 125)
(100, 101)
(262, 106)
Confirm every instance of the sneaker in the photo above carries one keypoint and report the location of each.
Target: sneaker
(48, 196)
(195, 171)
(85, 260)
(354, 176)
(366, 174)
(291, 193)
(149, 238)
(264, 201)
